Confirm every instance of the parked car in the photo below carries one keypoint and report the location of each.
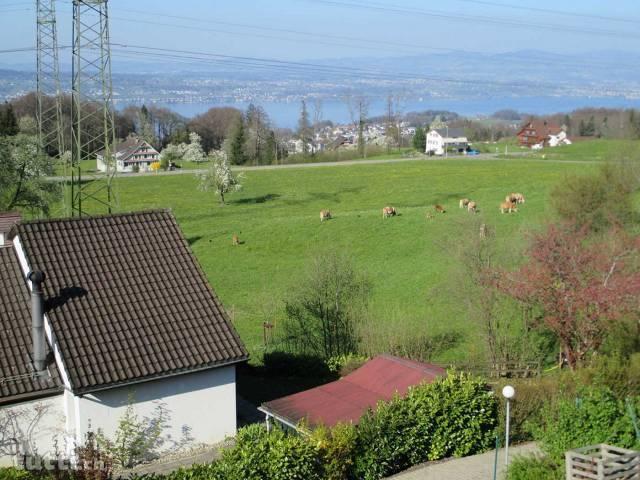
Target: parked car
(473, 152)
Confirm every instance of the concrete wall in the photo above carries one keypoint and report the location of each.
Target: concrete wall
(35, 425)
(202, 404)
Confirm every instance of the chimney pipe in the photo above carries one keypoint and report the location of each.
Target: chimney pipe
(37, 321)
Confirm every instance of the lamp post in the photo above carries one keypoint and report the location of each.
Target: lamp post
(508, 392)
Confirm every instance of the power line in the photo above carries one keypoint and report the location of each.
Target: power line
(386, 8)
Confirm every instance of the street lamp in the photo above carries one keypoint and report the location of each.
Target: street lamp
(508, 392)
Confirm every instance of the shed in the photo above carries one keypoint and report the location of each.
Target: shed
(347, 399)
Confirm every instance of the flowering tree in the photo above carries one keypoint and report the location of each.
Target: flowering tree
(193, 151)
(579, 285)
(219, 177)
(172, 153)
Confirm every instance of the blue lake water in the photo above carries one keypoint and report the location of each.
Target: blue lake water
(286, 114)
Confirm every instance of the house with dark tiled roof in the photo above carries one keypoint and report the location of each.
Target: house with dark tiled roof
(540, 133)
(100, 313)
(133, 154)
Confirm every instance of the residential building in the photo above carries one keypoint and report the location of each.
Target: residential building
(540, 133)
(441, 140)
(347, 399)
(129, 319)
(7, 221)
(134, 154)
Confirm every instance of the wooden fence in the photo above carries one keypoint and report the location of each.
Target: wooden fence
(501, 369)
(602, 462)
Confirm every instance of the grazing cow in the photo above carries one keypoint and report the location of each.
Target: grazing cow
(389, 212)
(464, 202)
(508, 207)
(511, 198)
(519, 198)
(472, 207)
(440, 209)
(325, 215)
(235, 240)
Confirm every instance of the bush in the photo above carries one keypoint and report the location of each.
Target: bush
(534, 468)
(12, 473)
(455, 416)
(289, 364)
(336, 447)
(274, 455)
(595, 416)
(345, 364)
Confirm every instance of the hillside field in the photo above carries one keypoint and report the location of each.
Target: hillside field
(408, 258)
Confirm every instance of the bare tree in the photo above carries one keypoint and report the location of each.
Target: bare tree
(358, 111)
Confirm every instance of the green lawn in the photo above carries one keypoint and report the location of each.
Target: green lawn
(596, 150)
(276, 216)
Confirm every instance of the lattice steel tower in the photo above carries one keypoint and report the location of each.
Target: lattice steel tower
(93, 131)
(49, 99)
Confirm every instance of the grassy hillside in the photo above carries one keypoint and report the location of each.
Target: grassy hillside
(408, 257)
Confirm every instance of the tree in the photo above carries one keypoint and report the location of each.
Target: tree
(597, 201)
(579, 286)
(219, 177)
(324, 308)
(215, 125)
(235, 145)
(172, 153)
(304, 129)
(23, 171)
(420, 140)
(193, 151)
(145, 126)
(8, 121)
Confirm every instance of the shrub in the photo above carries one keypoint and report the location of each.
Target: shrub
(595, 416)
(455, 416)
(336, 447)
(288, 364)
(12, 473)
(534, 468)
(345, 364)
(261, 454)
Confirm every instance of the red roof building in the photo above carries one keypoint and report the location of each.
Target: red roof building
(537, 132)
(347, 399)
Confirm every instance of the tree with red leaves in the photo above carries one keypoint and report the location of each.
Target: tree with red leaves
(579, 285)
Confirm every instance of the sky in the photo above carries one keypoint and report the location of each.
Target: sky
(298, 30)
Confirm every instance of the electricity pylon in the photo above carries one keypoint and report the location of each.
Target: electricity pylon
(93, 131)
(49, 99)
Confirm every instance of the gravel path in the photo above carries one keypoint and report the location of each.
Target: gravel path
(476, 467)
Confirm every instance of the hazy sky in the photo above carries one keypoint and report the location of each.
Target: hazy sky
(312, 29)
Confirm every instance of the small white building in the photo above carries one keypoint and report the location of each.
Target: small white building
(128, 320)
(558, 138)
(134, 154)
(443, 139)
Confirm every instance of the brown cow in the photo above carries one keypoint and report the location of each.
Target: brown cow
(325, 215)
(389, 212)
(235, 240)
(472, 207)
(508, 207)
(464, 202)
(440, 209)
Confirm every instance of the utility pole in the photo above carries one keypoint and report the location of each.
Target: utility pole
(93, 132)
(48, 91)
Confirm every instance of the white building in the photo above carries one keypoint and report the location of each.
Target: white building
(134, 154)
(128, 320)
(559, 138)
(443, 139)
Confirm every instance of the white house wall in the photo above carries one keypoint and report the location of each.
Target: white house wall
(204, 403)
(41, 423)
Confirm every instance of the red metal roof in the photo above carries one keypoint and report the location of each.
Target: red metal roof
(347, 399)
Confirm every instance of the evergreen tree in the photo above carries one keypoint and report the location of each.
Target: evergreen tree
(304, 129)
(236, 144)
(271, 147)
(8, 121)
(420, 140)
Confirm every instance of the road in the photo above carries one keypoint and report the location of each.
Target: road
(476, 467)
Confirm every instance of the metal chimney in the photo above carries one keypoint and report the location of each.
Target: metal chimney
(37, 321)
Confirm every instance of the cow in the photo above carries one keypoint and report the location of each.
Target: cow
(515, 198)
(464, 202)
(389, 212)
(508, 207)
(235, 240)
(324, 215)
(440, 209)
(519, 198)
(472, 207)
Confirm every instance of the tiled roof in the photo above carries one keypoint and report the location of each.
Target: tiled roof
(7, 221)
(541, 128)
(347, 399)
(16, 382)
(454, 132)
(128, 299)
